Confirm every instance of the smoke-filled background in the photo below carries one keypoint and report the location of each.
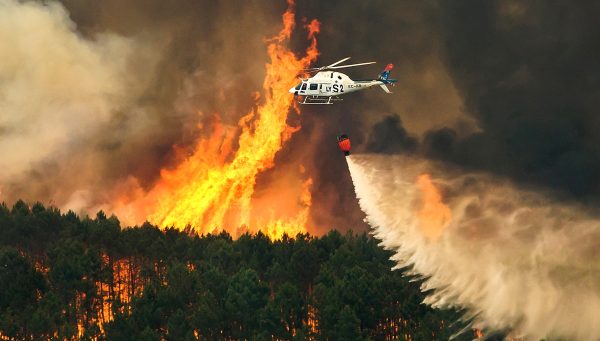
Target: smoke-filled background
(96, 95)
(93, 94)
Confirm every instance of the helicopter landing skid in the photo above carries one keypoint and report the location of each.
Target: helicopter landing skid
(319, 100)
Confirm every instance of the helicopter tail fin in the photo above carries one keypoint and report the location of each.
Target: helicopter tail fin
(384, 76)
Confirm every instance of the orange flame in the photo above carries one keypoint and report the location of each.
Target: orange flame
(433, 214)
(214, 186)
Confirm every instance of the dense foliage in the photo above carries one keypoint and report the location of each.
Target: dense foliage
(63, 277)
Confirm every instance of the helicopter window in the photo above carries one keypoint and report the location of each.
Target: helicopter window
(298, 86)
(314, 86)
(303, 86)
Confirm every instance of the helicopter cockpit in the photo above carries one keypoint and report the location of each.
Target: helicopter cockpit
(300, 88)
(306, 88)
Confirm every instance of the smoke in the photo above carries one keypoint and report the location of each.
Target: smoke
(527, 72)
(505, 86)
(93, 97)
(514, 259)
(404, 33)
(58, 91)
(155, 74)
(508, 87)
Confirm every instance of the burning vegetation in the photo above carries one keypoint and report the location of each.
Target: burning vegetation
(434, 215)
(212, 189)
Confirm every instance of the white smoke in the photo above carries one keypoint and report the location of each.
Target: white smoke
(54, 86)
(59, 94)
(512, 258)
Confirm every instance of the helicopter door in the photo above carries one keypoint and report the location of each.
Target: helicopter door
(322, 89)
(303, 89)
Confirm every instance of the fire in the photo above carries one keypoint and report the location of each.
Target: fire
(433, 214)
(214, 186)
(275, 228)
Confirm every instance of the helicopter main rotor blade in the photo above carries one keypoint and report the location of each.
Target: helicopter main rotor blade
(351, 65)
(333, 66)
(328, 66)
(338, 62)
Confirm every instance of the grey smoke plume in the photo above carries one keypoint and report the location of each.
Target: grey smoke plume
(57, 91)
(514, 259)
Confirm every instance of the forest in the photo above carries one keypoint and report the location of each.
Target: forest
(78, 278)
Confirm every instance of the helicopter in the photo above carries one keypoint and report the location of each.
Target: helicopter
(327, 85)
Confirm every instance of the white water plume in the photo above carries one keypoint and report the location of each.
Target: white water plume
(514, 259)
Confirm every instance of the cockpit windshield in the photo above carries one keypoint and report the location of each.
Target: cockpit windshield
(301, 86)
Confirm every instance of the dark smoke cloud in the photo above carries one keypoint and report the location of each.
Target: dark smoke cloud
(389, 136)
(529, 74)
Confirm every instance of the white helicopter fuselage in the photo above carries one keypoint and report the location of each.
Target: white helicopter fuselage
(331, 83)
(328, 85)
